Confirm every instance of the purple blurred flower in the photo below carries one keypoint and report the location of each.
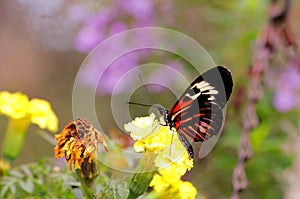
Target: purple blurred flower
(141, 11)
(87, 39)
(162, 79)
(117, 27)
(146, 22)
(115, 71)
(91, 34)
(291, 77)
(111, 75)
(285, 99)
(286, 95)
(97, 27)
(137, 8)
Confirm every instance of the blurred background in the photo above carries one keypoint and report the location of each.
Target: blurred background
(43, 43)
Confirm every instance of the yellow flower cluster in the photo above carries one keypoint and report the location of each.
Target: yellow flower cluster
(178, 189)
(38, 111)
(149, 135)
(172, 159)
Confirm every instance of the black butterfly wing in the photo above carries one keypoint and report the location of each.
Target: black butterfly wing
(197, 115)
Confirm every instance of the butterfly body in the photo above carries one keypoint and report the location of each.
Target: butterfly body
(198, 114)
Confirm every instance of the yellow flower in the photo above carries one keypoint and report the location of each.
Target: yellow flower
(4, 167)
(14, 105)
(178, 189)
(187, 190)
(176, 154)
(159, 139)
(38, 111)
(159, 183)
(150, 135)
(43, 115)
(140, 127)
(171, 159)
(169, 177)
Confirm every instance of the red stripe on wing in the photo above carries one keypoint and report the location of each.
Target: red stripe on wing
(199, 115)
(206, 125)
(197, 133)
(181, 104)
(178, 123)
(202, 129)
(187, 133)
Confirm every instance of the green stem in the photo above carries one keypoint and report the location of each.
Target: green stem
(87, 189)
(131, 195)
(14, 138)
(143, 176)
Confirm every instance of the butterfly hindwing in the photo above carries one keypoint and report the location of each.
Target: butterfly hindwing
(197, 115)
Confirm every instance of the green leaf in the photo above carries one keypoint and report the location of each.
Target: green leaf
(13, 188)
(5, 189)
(27, 185)
(258, 135)
(16, 173)
(27, 171)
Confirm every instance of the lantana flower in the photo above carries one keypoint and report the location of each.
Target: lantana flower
(172, 160)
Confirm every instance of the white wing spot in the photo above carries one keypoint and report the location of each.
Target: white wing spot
(211, 92)
(211, 98)
(203, 86)
(194, 96)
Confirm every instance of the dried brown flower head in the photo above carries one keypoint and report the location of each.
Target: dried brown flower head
(78, 142)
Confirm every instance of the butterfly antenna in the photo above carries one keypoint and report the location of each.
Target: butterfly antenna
(146, 105)
(140, 104)
(146, 89)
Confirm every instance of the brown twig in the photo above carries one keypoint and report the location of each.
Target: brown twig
(275, 33)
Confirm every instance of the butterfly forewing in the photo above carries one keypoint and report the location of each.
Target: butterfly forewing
(197, 115)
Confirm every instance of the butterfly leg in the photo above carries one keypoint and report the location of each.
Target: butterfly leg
(171, 143)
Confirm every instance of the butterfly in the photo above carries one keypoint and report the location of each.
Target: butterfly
(197, 115)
